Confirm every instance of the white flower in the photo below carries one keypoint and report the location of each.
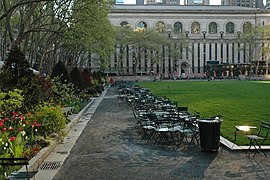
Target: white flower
(23, 133)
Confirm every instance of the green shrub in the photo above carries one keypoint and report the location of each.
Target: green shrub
(16, 74)
(51, 118)
(61, 92)
(10, 101)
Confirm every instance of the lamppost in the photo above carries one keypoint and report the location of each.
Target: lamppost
(187, 32)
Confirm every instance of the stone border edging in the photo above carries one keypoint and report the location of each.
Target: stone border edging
(38, 159)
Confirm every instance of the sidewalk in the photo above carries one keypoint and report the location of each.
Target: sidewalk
(105, 145)
(54, 161)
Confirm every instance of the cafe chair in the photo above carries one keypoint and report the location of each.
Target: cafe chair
(257, 140)
(18, 161)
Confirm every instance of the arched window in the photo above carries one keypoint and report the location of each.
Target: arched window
(160, 26)
(142, 24)
(247, 27)
(195, 28)
(177, 27)
(212, 28)
(229, 28)
(124, 23)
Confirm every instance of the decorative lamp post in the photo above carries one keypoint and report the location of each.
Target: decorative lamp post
(204, 34)
(187, 32)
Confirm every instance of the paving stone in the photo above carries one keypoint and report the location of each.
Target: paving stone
(111, 148)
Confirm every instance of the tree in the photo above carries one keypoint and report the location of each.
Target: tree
(257, 39)
(51, 30)
(140, 39)
(76, 78)
(61, 71)
(90, 30)
(86, 79)
(16, 74)
(35, 26)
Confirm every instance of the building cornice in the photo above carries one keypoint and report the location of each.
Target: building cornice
(124, 9)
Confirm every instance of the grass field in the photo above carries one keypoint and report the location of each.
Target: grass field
(239, 102)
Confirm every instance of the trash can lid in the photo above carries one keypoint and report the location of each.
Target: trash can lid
(216, 120)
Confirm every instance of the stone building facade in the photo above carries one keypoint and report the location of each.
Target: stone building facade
(211, 32)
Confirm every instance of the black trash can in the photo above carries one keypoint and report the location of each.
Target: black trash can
(210, 133)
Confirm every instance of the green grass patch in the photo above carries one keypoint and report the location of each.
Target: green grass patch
(239, 102)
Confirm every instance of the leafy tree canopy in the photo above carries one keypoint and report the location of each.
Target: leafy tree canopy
(90, 28)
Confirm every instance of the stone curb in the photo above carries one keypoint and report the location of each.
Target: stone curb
(38, 159)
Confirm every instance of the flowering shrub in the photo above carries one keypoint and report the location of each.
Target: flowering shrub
(18, 134)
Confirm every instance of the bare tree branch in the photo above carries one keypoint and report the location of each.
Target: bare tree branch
(11, 9)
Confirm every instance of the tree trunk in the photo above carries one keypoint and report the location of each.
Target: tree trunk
(266, 71)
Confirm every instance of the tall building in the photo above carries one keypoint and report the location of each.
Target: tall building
(153, 1)
(243, 3)
(196, 2)
(267, 4)
(118, 2)
(168, 2)
(259, 4)
(202, 35)
(139, 2)
(165, 2)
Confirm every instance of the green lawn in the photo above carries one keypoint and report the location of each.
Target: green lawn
(239, 102)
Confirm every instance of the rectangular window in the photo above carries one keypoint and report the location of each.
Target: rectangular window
(221, 52)
(249, 51)
(181, 51)
(127, 56)
(121, 58)
(239, 52)
(227, 53)
(233, 51)
(199, 58)
(245, 52)
(210, 51)
(169, 58)
(263, 52)
(187, 52)
(158, 61)
(163, 59)
(216, 51)
(192, 58)
(145, 60)
(204, 56)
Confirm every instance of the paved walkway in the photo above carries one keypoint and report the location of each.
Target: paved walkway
(110, 148)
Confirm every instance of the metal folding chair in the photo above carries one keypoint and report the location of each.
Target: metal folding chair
(258, 140)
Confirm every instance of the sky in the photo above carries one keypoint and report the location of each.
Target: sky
(212, 2)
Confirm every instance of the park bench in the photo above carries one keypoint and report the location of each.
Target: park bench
(11, 161)
(67, 111)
